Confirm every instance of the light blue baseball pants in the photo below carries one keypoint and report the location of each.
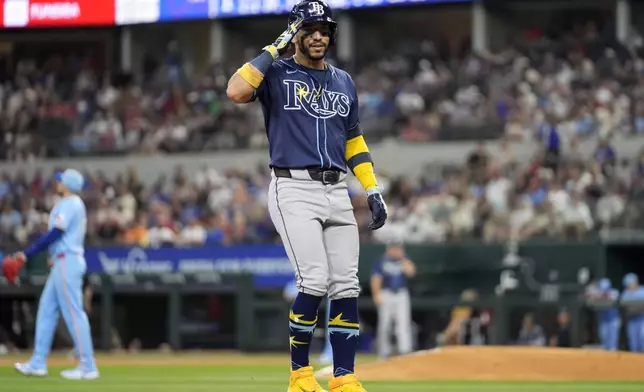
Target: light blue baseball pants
(609, 334)
(635, 332)
(63, 293)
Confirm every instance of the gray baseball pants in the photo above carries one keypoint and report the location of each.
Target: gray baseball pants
(395, 309)
(319, 231)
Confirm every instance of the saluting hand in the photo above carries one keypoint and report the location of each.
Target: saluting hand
(280, 46)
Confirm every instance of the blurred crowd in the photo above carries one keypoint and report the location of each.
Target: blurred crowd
(494, 198)
(556, 89)
(183, 210)
(506, 196)
(580, 81)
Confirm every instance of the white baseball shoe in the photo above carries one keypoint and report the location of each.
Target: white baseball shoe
(27, 369)
(79, 374)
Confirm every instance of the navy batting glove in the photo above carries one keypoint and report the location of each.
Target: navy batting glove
(378, 209)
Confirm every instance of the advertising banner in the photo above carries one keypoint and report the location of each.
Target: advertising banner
(170, 10)
(268, 264)
(136, 11)
(57, 13)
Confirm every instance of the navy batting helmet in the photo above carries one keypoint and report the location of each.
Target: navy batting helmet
(314, 11)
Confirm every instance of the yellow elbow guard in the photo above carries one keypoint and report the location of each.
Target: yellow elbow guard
(250, 75)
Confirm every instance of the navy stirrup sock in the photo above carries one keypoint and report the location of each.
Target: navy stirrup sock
(344, 327)
(302, 322)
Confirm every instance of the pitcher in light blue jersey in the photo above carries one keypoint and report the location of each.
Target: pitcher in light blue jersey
(63, 290)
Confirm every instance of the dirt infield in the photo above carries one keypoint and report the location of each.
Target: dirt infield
(507, 364)
(453, 363)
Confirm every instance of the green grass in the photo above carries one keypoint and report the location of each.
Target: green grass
(269, 378)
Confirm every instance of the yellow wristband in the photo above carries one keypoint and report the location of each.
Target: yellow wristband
(250, 75)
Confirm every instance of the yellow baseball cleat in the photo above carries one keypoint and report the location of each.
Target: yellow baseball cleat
(302, 380)
(348, 383)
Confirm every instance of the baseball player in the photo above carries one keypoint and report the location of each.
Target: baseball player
(610, 322)
(391, 296)
(63, 289)
(635, 325)
(313, 128)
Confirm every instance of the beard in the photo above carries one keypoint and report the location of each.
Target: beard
(306, 50)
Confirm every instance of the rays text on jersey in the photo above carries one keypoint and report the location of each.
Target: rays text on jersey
(301, 96)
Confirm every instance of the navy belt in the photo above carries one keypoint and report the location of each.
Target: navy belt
(326, 177)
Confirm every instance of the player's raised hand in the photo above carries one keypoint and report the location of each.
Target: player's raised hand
(378, 210)
(280, 46)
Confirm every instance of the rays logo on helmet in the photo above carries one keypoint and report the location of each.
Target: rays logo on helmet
(316, 9)
(300, 96)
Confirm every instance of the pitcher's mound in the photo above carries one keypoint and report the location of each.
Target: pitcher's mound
(508, 363)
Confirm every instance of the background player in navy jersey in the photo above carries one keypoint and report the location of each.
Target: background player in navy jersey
(389, 287)
(312, 123)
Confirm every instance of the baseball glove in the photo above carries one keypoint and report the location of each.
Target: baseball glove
(11, 266)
